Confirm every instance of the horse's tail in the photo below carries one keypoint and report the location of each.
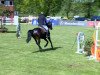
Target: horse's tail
(28, 36)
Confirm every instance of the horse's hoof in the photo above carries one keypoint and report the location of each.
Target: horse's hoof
(40, 49)
(52, 47)
(45, 46)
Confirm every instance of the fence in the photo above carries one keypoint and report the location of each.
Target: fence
(54, 22)
(61, 22)
(72, 22)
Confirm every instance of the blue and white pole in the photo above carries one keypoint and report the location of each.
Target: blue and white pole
(16, 22)
(80, 43)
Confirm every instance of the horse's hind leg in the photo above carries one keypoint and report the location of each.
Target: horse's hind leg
(38, 43)
(50, 41)
(46, 42)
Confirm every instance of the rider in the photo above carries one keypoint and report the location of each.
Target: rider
(42, 22)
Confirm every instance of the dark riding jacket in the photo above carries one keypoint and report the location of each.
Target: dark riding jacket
(42, 20)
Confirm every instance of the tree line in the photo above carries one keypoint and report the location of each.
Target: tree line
(68, 8)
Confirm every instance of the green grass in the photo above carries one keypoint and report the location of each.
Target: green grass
(19, 58)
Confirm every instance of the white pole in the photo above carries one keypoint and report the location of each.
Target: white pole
(78, 46)
(80, 43)
(16, 22)
(96, 38)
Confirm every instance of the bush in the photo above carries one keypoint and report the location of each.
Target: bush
(87, 48)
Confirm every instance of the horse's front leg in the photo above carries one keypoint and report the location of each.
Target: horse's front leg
(46, 42)
(50, 41)
(38, 43)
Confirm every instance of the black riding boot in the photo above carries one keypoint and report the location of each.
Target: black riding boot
(48, 33)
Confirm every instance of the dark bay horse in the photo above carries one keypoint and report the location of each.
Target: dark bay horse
(38, 34)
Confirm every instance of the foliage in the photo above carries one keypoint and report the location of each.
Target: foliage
(67, 8)
(0, 11)
(66, 5)
(87, 48)
(7, 13)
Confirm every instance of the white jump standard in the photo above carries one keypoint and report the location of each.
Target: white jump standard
(80, 43)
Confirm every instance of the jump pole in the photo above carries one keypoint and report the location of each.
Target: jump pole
(80, 43)
(97, 46)
(16, 22)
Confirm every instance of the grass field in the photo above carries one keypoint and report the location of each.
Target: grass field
(19, 58)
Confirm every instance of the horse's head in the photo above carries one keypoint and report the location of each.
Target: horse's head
(49, 25)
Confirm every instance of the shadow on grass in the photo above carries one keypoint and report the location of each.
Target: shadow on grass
(48, 49)
(11, 32)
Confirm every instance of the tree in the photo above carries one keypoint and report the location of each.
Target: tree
(66, 7)
(18, 4)
(52, 7)
(85, 7)
(88, 9)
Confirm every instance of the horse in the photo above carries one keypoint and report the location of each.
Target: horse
(39, 33)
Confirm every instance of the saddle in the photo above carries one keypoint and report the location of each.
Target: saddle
(43, 30)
